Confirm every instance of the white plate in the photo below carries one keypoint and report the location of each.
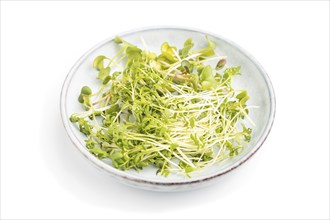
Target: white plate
(253, 79)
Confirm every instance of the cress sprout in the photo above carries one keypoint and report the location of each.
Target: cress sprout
(173, 111)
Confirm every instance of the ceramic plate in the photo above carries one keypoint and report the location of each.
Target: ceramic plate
(253, 79)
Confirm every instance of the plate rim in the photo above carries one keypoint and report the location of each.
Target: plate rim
(124, 175)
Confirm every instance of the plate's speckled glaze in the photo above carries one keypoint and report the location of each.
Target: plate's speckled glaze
(254, 79)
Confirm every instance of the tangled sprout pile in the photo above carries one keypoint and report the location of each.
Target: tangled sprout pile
(171, 111)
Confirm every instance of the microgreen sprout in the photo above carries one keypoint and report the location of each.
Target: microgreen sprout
(172, 111)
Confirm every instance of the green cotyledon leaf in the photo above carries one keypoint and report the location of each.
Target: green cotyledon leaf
(188, 67)
(99, 62)
(230, 72)
(133, 54)
(207, 78)
(98, 152)
(188, 45)
(168, 52)
(209, 50)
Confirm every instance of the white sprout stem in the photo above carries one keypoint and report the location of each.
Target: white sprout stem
(144, 44)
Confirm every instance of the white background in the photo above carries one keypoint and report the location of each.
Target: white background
(43, 175)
